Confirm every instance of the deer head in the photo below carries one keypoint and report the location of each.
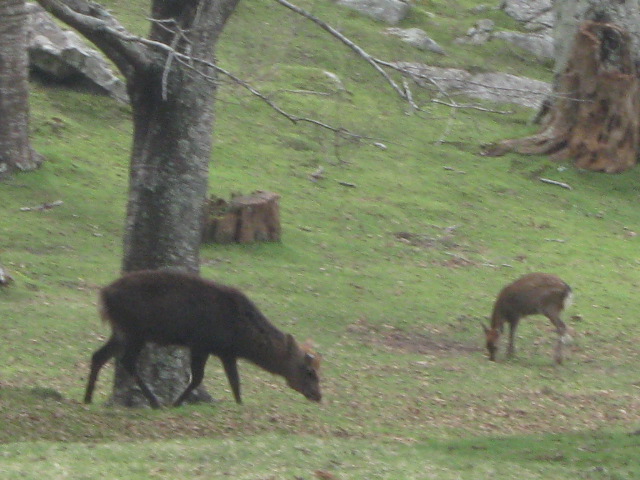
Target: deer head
(492, 336)
(303, 373)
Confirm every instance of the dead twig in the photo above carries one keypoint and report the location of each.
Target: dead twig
(44, 206)
(472, 107)
(347, 184)
(554, 182)
(306, 92)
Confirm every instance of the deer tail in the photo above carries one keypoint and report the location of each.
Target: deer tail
(568, 299)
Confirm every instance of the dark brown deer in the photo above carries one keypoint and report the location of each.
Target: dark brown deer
(535, 293)
(172, 308)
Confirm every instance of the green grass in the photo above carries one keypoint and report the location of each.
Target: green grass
(389, 278)
(599, 456)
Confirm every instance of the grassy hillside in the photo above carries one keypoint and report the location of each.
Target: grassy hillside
(389, 278)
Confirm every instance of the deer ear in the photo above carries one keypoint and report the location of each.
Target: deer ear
(313, 359)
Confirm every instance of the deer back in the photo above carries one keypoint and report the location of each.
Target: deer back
(530, 294)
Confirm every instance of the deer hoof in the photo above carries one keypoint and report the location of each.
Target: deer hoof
(566, 339)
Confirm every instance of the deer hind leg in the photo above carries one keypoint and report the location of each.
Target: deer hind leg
(553, 314)
(99, 358)
(129, 361)
(198, 362)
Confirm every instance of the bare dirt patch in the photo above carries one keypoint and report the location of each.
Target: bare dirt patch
(409, 341)
(443, 241)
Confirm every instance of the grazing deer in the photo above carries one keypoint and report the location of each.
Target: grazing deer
(172, 308)
(535, 293)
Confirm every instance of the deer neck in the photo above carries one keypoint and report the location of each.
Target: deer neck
(267, 348)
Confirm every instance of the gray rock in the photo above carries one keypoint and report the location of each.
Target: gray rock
(63, 56)
(542, 23)
(538, 44)
(417, 38)
(506, 88)
(479, 34)
(387, 11)
(526, 11)
(446, 79)
(495, 87)
(536, 14)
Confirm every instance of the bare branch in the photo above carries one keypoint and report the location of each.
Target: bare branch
(178, 35)
(461, 85)
(131, 52)
(271, 103)
(448, 127)
(189, 61)
(307, 92)
(375, 63)
(472, 106)
(99, 26)
(404, 92)
(408, 94)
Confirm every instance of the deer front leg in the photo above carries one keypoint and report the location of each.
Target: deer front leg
(511, 348)
(198, 361)
(231, 370)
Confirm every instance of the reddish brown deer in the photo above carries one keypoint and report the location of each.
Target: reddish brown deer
(171, 308)
(535, 293)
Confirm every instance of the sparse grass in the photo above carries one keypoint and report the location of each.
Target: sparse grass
(389, 278)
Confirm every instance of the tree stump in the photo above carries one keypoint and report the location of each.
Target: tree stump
(595, 113)
(244, 219)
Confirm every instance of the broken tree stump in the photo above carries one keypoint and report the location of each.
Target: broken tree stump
(244, 219)
(594, 117)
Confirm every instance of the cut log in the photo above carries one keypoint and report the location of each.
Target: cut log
(244, 219)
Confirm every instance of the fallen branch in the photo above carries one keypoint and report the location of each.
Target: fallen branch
(347, 184)
(472, 106)
(554, 182)
(307, 92)
(44, 206)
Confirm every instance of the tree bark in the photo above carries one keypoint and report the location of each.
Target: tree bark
(571, 14)
(594, 112)
(15, 148)
(172, 91)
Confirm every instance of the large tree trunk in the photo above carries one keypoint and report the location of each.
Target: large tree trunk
(594, 113)
(571, 14)
(172, 97)
(15, 149)
(173, 124)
